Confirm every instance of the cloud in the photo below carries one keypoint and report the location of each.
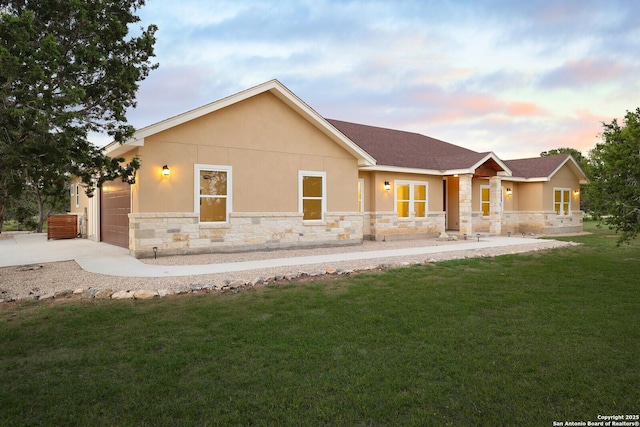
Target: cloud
(483, 74)
(586, 71)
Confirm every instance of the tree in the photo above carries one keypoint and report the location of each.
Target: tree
(614, 172)
(67, 69)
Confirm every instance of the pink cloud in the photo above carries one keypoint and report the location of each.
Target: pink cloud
(521, 108)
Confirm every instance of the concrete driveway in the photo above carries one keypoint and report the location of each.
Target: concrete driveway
(102, 258)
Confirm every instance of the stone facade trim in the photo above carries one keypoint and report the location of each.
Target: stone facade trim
(180, 233)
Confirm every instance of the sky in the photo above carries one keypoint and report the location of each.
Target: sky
(516, 78)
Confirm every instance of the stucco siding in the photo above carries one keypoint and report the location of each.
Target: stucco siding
(266, 144)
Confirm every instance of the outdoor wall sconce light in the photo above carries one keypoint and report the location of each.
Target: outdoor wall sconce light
(166, 171)
(387, 186)
(509, 192)
(576, 192)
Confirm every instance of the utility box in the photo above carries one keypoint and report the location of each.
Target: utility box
(62, 227)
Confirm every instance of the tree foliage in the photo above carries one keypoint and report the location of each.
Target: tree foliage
(614, 171)
(67, 69)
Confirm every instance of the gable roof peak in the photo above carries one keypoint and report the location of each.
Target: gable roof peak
(274, 87)
(544, 167)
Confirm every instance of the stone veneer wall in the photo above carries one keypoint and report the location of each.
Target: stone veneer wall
(481, 224)
(387, 226)
(541, 222)
(181, 233)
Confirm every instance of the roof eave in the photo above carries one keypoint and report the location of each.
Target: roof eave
(398, 169)
(523, 179)
(116, 149)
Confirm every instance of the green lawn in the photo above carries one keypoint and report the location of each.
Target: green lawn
(516, 340)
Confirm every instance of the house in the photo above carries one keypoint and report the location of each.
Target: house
(262, 170)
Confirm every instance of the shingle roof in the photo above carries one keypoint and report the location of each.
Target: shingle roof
(536, 167)
(407, 149)
(398, 148)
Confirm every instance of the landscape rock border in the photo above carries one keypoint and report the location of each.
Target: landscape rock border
(236, 285)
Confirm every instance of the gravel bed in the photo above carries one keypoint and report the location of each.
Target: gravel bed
(62, 280)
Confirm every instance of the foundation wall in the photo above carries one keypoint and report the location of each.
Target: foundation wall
(387, 226)
(181, 234)
(541, 222)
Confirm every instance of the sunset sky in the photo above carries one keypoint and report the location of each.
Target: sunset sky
(515, 78)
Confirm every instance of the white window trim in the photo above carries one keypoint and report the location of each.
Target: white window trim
(361, 200)
(412, 214)
(553, 200)
(196, 189)
(483, 187)
(77, 194)
(323, 175)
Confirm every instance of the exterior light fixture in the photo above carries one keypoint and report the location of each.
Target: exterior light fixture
(166, 171)
(509, 192)
(576, 192)
(387, 186)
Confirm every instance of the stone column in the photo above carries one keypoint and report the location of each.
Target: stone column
(465, 195)
(495, 205)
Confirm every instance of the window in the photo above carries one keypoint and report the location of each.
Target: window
(312, 191)
(77, 195)
(411, 199)
(562, 201)
(213, 193)
(485, 200)
(361, 195)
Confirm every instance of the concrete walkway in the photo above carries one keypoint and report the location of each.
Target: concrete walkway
(102, 258)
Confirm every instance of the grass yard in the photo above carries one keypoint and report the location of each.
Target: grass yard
(515, 340)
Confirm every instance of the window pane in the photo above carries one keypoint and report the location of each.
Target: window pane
(556, 207)
(312, 186)
(420, 192)
(403, 192)
(312, 209)
(360, 207)
(213, 209)
(565, 196)
(485, 209)
(213, 183)
(485, 195)
(420, 208)
(558, 196)
(403, 209)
